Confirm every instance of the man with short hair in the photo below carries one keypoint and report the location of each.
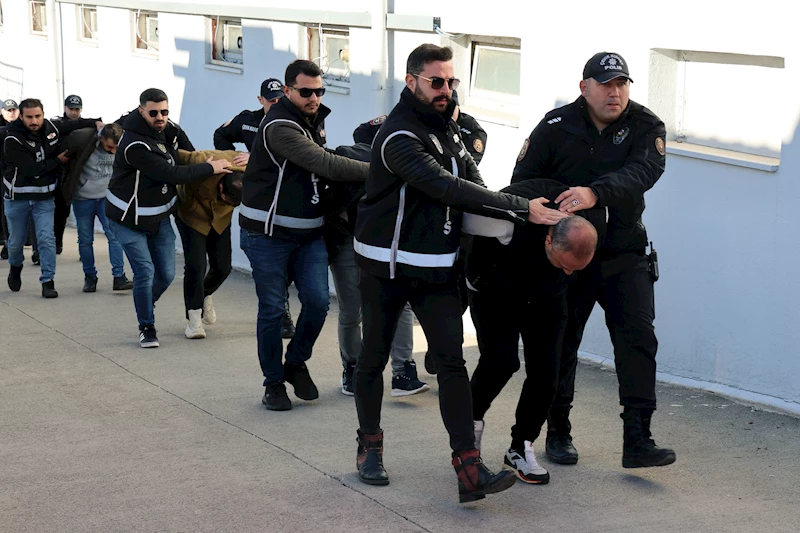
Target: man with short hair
(525, 272)
(73, 107)
(282, 216)
(205, 211)
(32, 168)
(609, 151)
(84, 187)
(141, 197)
(407, 237)
(243, 129)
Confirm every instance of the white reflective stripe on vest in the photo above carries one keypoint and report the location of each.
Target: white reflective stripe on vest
(260, 215)
(29, 190)
(384, 255)
(141, 211)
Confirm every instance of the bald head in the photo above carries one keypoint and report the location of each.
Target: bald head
(570, 244)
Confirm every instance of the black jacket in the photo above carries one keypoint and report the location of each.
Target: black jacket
(80, 145)
(142, 191)
(619, 165)
(243, 128)
(31, 169)
(284, 186)
(521, 267)
(421, 178)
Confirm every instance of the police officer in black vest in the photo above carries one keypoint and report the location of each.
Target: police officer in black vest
(242, 129)
(609, 150)
(142, 195)
(407, 237)
(282, 216)
(73, 108)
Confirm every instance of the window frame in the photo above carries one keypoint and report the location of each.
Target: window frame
(136, 37)
(317, 51)
(492, 99)
(216, 40)
(45, 32)
(82, 25)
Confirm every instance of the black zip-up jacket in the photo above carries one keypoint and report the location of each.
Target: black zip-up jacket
(142, 191)
(31, 168)
(284, 186)
(521, 268)
(619, 165)
(243, 128)
(421, 178)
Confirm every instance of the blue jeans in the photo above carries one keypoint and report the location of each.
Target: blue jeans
(85, 211)
(152, 259)
(273, 261)
(17, 213)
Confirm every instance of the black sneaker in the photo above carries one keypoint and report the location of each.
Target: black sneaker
(559, 450)
(147, 337)
(347, 380)
(525, 466)
(287, 327)
(89, 284)
(300, 379)
(122, 283)
(59, 249)
(49, 290)
(275, 397)
(35, 257)
(4, 252)
(407, 383)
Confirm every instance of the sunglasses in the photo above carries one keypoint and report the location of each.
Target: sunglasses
(437, 83)
(306, 93)
(154, 112)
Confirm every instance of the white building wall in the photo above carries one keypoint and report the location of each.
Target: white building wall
(727, 301)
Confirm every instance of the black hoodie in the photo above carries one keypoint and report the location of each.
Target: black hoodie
(142, 191)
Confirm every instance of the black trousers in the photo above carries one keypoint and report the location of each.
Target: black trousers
(438, 309)
(197, 284)
(624, 289)
(60, 216)
(500, 317)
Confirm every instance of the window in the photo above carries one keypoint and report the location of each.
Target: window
(145, 28)
(685, 93)
(87, 20)
(226, 41)
(38, 17)
(495, 77)
(330, 49)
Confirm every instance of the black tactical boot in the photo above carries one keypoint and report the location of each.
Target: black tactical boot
(15, 278)
(369, 460)
(89, 283)
(49, 290)
(475, 481)
(558, 446)
(638, 449)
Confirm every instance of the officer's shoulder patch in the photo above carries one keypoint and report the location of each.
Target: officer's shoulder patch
(377, 121)
(660, 146)
(436, 143)
(524, 151)
(477, 144)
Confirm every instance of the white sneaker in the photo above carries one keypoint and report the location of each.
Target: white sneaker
(526, 468)
(194, 329)
(478, 425)
(209, 315)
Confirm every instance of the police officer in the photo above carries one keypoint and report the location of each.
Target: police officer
(407, 238)
(73, 107)
(243, 129)
(609, 150)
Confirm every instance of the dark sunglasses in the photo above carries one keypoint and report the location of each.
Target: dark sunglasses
(154, 112)
(306, 92)
(437, 83)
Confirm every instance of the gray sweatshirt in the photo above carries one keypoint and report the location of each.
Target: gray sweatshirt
(95, 175)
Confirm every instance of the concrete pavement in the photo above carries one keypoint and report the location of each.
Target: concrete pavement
(97, 434)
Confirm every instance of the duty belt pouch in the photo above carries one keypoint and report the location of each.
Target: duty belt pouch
(652, 261)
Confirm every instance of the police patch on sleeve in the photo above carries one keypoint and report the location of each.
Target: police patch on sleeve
(377, 121)
(436, 143)
(477, 144)
(660, 146)
(524, 151)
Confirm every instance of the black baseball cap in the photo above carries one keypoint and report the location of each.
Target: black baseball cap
(271, 88)
(606, 66)
(9, 104)
(73, 101)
